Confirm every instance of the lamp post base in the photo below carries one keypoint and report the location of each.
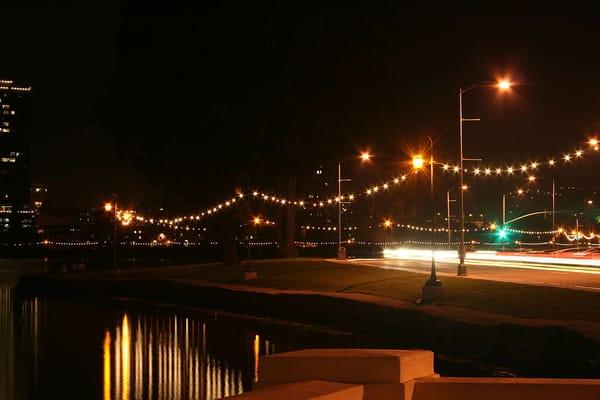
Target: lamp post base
(462, 270)
(430, 292)
(249, 275)
(341, 253)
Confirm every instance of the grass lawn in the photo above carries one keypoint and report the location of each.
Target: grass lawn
(319, 275)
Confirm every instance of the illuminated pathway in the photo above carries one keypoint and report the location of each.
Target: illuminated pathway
(489, 266)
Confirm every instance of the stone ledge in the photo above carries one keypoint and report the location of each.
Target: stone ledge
(372, 391)
(362, 366)
(309, 390)
(506, 388)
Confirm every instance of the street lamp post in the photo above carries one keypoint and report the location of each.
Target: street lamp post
(388, 224)
(449, 216)
(503, 234)
(433, 287)
(503, 231)
(108, 207)
(250, 272)
(577, 235)
(341, 252)
(255, 222)
(553, 214)
(553, 181)
(502, 85)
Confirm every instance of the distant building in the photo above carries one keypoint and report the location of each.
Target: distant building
(16, 213)
(39, 192)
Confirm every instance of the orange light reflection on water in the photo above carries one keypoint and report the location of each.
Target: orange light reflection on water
(166, 358)
(107, 370)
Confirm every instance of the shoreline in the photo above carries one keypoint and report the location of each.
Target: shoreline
(492, 341)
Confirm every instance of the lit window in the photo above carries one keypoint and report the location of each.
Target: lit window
(8, 159)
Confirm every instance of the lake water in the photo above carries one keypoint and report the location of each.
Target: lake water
(54, 348)
(102, 349)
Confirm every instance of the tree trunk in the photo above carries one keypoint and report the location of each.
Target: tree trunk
(229, 240)
(287, 247)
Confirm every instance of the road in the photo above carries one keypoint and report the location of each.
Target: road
(532, 273)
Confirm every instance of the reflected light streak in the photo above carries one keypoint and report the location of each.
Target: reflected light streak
(176, 362)
(256, 356)
(125, 358)
(107, 370)
(117, 363)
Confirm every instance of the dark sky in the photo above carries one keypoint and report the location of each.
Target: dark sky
(65, 52)
(245, 82)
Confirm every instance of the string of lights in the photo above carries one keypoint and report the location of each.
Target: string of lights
(525, 232)
(510, 170)
(126, 217)
(528, 167)
(571, 235)
(326, 228)
(429, 229)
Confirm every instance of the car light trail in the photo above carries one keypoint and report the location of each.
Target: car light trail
(493, 258)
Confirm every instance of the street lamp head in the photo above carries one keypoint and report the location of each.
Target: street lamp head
(108, 207)
(504, 84)
(387, 223)
(531, 178)
(126, 218)
(520, 191)
(418, 161)
(256, 220)
(365, 156)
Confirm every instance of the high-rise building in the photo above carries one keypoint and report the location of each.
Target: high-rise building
(16, 213)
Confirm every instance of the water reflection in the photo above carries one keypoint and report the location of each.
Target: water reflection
(256, 356)
(107, 370)
(47, 351)
(7, 343)
(19, 337)
(177, 365)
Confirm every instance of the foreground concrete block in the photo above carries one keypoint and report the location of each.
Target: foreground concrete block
(506, 388)
(362, 366)
(310, 390)
(389, 391)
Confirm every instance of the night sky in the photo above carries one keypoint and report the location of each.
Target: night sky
(179, 104)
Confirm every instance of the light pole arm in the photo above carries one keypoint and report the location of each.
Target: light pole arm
(478, 85)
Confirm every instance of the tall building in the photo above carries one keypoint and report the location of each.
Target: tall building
(16, 213)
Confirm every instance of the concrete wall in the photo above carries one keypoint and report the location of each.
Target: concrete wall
(373, 374)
